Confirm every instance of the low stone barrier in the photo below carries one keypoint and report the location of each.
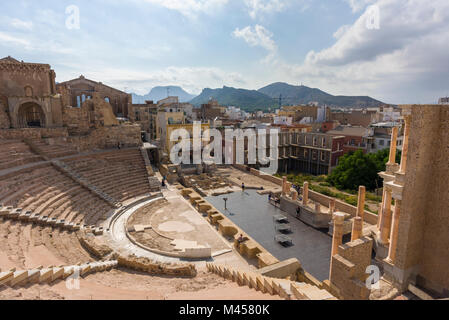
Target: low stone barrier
(151, 267)
(92, 245)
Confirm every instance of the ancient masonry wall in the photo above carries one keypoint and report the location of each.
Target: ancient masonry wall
(5, 122)
(29, 133)
(369, 217)
(423, 235)
(108, 137)
(348, 266)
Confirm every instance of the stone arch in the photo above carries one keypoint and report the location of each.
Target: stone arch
(31, 115)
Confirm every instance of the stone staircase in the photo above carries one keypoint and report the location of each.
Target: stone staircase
(286, 289)
(64, 168)
(49, 151)
(10, 213)
(154, 183)
(40, 275)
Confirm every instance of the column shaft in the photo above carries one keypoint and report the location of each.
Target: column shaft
(361, 202)
(305, 193)
(385, 225)
(337, 238)
(357, 228)
(405, 145)
(394, 231)
(393, 146)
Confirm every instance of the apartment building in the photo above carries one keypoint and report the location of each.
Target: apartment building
(310, 153)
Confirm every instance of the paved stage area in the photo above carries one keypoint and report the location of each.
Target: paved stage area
(252, 212)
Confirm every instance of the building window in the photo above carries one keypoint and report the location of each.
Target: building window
(314, 141)
(324, 142)
(306, 154)
(323, 156)
(381, 143)
(314, 155)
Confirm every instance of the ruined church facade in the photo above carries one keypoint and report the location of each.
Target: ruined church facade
(28, 97)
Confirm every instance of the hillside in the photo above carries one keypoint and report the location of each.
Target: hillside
(159, 93)
(295, 95)
(248, 100)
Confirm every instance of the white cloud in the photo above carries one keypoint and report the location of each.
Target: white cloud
(256, 7)
(192, 79)
(19, 24)
(190, 8)
(258, 37)
(402, 22)
(260, 8)
(358, 5)
(405, 59)
(4, 37)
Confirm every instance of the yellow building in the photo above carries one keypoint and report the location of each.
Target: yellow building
(165, 118)
(167, 145)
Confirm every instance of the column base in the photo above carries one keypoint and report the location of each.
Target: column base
(380, 248)
(392, 168)
(399, 278)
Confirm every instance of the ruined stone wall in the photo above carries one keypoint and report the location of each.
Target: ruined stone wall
(93, 245)
(94, 113)
(108, 137)
(5, 122)
(348, 269)
(77, 88)
(369, 217)
(33, 133)
(76, 120)
(148, 266)
(26, 79)
(423, 235)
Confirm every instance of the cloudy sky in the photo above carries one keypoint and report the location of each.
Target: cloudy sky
(396, 51)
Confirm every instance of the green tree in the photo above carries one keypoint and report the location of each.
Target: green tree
(356, 169)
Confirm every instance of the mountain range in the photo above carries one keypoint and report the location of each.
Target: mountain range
(268, 97)
(158, 93)
(296, 95)
(227, 96)
(262, 99)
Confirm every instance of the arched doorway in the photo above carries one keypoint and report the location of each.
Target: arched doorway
(31, 115)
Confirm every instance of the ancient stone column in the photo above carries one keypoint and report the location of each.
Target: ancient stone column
(393, 146)
(317, 207)
(305, 193)
(361, 202)
(357, 228)
(385, 224)
(337, 238)
(332, 206)
(284, 186)
(405, 145)
(294, 195)
(394, 231)
(381, 209)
